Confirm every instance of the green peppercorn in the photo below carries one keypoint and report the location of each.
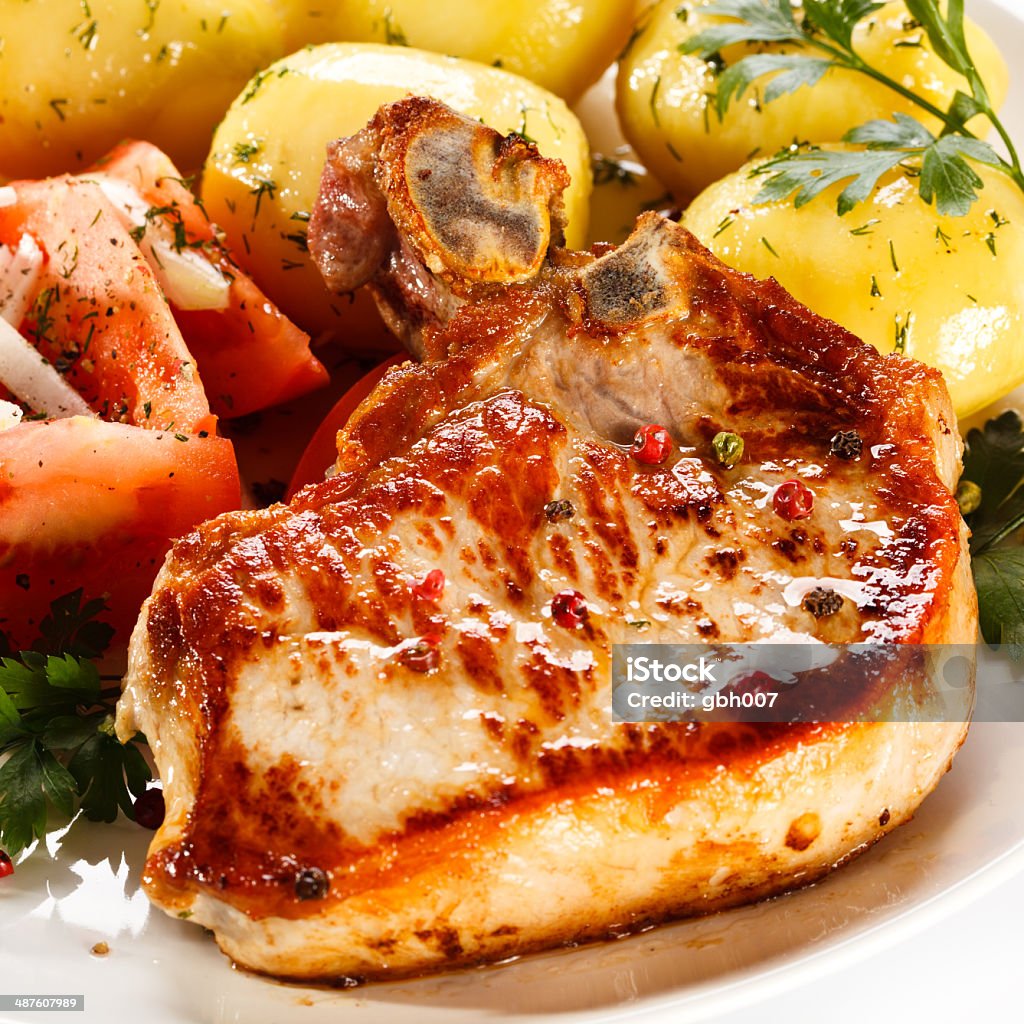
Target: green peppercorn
(968, 497)
(728, 448)
(559, 510)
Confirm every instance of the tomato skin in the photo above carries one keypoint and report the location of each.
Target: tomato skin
(85, 503)
(322, 450)
(250, 355)
(99, 309)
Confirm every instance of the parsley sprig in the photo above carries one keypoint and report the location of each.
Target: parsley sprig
(993, 477)
(823, 30)
(57, 730)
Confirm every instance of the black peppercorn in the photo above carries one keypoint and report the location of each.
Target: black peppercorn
(311, 884)
(847, 445)
(822, 601)
(560, 510)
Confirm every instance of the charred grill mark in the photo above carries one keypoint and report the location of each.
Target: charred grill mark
(445, 940)
(556, 687)
(478, 656)
(428, 535)
(788, 549)
(488, 559)
(679, 604)
(524, 733)
(726, 561)
(495, 726)
(600, 483)
(563, 557)
(604, 577)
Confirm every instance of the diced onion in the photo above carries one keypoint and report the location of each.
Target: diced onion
(20, 270)
(187, 277)
(10, 415)
(8, 197)
(32, 380)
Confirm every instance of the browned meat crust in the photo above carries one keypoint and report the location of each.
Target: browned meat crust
(447, 764)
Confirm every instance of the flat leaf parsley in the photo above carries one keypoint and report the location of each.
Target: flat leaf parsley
(57, 730)
(822, 31)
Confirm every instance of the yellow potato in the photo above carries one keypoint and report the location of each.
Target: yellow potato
(666, 106)
(76, 78)
(563, 45)
(945, 290)
(263, 172)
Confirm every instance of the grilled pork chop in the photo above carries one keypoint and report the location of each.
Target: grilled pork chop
(382, 713)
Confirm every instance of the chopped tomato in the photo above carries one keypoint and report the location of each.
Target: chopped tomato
(322, 450)
(96, 505)
(250, 355)
(97, 313)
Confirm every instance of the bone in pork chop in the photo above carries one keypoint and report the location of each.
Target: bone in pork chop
(372, 769)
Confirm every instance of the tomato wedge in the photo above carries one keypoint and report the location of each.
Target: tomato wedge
(322, 450)
(249, 353)
(97, 313)
(96, 505)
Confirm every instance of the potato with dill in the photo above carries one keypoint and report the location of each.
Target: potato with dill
(669, 99)
(563, 45)
(943, 289)
(263, 172)
(78, 76)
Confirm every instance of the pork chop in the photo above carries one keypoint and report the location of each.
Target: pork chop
(382, 712)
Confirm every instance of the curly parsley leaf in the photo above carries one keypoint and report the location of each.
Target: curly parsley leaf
(999, 578)
(994, 461)
(23, 807)
(790, 72)
(838, 18)
(810, 173)
(901, 133)
(759, 22)
(73, 627)
(56, 730)
(822, 38)
(947, 178)
(107, 775)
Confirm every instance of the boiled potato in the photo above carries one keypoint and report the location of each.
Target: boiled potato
(76, 78)
(666, 105)
(563, 45)
(945, 290)
(263, 172)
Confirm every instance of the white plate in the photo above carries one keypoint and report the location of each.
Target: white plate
(967, 838)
